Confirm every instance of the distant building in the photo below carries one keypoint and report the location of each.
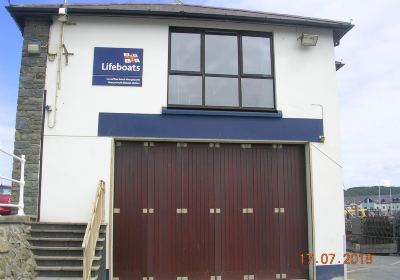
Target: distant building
(387, 206)
(368, 203)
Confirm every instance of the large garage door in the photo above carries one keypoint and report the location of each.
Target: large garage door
(209, 211)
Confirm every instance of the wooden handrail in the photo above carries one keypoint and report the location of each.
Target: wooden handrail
(93, 230)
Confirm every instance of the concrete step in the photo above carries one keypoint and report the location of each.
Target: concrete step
(60, 233)
(64, 271)
(62, 251)
(62, 278)
(62, 226)
(63, 260)
(64, 268)
(58, 241)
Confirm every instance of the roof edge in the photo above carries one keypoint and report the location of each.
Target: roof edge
(20, 12)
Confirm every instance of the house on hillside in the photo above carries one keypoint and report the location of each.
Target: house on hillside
(369, 204)
(208, 138)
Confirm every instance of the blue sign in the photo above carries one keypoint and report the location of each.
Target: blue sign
(117, 67)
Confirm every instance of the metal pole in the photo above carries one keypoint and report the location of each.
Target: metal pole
(390, 191)
(379, 195)
(21, 188)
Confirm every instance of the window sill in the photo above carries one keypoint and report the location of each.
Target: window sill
(169, 111)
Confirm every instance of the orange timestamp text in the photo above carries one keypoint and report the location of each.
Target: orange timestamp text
(325, 258)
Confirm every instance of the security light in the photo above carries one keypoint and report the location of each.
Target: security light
(309, 40)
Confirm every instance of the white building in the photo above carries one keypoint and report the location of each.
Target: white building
(215, 131)
(389, 207)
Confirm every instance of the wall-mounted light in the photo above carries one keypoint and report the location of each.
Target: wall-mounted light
(33, 48)
(309, 40)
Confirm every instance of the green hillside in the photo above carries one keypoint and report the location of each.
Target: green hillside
(366, 191)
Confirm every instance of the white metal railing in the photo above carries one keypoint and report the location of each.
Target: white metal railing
(93, 229)
(20, 182)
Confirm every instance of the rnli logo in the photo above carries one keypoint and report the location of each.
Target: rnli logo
(131, 58)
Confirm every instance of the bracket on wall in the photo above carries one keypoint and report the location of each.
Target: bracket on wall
(66, 53)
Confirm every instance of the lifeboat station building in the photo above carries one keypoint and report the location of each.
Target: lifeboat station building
(213, 133)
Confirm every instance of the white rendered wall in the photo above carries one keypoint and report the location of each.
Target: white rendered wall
(74, 158)
(328, 205)
(72, 168)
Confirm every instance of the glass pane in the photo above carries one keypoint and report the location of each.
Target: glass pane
(221, 54)
(256, 55)
(258, 93)
(221, 91)
(185, 90)
(185, 51)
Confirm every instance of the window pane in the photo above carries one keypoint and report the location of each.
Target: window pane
(221, 91)
(257, 93)
(185, 90)
(256, 55)
(185, 51)
(221, 54)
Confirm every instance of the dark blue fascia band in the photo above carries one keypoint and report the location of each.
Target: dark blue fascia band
(209, 127)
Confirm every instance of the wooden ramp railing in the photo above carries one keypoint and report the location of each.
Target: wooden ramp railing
(92, 230)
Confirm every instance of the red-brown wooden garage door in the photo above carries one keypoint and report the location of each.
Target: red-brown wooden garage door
(203, 211)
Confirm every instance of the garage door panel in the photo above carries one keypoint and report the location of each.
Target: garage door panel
(233, 225)
(197, 224)
(167, 224)
(293, 225)
(130, 203)
(266, 233)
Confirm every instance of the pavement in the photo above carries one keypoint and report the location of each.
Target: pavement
(382, 268)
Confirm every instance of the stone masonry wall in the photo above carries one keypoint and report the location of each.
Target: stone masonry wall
(28, 125)
(16, 259)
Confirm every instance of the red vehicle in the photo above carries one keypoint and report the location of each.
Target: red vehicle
(5, 197)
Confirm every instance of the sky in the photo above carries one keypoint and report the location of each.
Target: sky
(368, 85)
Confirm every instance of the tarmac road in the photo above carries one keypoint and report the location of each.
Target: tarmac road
(382, 268)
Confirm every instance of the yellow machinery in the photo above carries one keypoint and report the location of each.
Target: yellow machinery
(352, 209)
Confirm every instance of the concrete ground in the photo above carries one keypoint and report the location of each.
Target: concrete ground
(382, 268)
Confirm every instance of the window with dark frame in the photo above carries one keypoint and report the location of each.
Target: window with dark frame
(216, 69)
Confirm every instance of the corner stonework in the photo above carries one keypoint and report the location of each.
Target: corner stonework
(16, 258)
(28, 126)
